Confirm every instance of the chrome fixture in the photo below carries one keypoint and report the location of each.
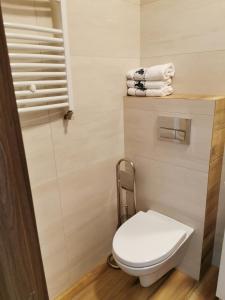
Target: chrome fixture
(174, 129)
(126, 196)
(125, 182)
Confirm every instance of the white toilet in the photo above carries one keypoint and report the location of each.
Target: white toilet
(150, 244)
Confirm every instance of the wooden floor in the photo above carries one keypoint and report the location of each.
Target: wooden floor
(116, 285)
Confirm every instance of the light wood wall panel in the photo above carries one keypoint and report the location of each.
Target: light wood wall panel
(214, 180)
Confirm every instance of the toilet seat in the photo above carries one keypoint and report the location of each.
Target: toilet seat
(147, 239)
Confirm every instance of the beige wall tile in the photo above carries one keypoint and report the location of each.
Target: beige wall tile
(100, 82)
(56, 272)
(141, 136)
(104, 28)
(181, 106)
(47, 208)
(189, 28)
(39, 153)
(143, 2)
(83, 190)
(89, 213)
(196, 73)
(174, 191)
(195, 47)
(49, 219)
(87, 140)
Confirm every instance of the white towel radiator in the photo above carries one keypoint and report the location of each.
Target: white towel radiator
(40, 63)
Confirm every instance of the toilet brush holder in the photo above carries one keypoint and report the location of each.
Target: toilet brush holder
(125, 182)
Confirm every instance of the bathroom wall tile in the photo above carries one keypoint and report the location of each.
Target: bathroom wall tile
(56, 272)
(39, 153)
(96, 131)
(168, 186)
(104, 28)
(89, 211)
(174, 191)
(89, 138)
(91, 260)
(86, 192)
(94, 240)
(100, 83)
(139, 123)
(195, 72)
(182, 106)
(143, 2)
(95, 235)
(47, 207)
(33, 119)
(51, 235)
(181, 36)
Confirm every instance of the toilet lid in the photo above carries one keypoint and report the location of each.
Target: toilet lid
(147, 239)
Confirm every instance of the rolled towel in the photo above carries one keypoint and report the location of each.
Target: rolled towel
(148, 84)
(166, 91)
(158, 72)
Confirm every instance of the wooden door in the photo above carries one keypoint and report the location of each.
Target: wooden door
(21, 269)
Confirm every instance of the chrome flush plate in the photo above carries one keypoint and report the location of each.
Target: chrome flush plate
(174, 129)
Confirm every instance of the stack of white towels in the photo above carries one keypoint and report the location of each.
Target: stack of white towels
(154, 81)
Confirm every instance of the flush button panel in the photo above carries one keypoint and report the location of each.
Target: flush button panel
(174, 129)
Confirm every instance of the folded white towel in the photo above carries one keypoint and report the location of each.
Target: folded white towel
(148, 84)
(168, 90)
(159, 73)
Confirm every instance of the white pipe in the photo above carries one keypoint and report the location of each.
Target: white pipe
(41, 92)
(33, 37)
(31, 27)
(39, 82)
(36, 56)
(43, 107)
(38, 74)
(34, 47)
(38, 65)
(40, 100)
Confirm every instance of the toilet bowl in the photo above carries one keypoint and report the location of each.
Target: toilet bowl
(150, 244)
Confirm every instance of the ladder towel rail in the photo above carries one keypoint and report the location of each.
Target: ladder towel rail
(43, 107)
(40, 63)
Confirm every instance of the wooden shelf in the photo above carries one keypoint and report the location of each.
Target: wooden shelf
(184, 97)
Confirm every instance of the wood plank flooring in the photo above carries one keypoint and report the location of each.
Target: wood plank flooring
(116, 285)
